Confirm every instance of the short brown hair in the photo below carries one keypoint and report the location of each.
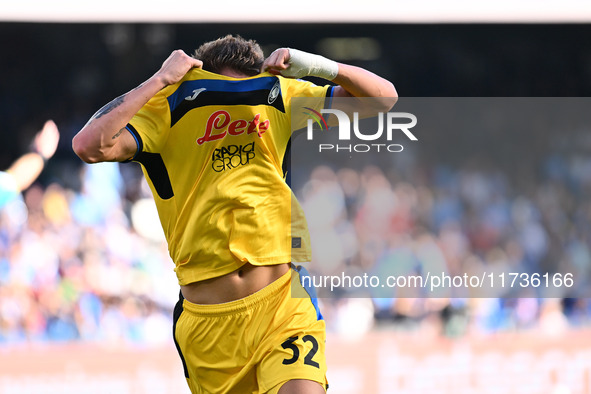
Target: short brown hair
(234, 52)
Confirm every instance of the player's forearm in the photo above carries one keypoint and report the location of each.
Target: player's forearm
(104, 137)
(352, 81)
(26, 169)
(98, 138)
(359, 82)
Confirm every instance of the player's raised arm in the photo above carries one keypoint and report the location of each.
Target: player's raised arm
(104, 137)
(28, 167)
(352, 81)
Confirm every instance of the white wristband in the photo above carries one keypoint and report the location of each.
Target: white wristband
(304, 64)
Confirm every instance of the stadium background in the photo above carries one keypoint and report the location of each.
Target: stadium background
(86, 287)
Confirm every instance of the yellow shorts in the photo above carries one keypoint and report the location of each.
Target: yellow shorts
(255, 344)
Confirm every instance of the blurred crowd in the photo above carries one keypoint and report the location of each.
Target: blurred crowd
(91, 264)
(74, 266)
(453, 221)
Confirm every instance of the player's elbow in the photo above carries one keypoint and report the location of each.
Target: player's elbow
(85, 150)
(390, 90)
(387, 96)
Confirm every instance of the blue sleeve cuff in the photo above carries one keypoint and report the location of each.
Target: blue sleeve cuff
(138, 141)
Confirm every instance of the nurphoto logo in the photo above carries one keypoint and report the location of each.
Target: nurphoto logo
(388, 122)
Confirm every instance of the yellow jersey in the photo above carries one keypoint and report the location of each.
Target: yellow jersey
(212, 149)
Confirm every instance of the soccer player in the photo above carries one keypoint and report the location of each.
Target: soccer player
(210, 132)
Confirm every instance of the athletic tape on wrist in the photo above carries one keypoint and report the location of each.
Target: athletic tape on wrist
(303, 64)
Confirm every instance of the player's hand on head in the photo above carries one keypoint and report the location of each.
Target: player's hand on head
(46, 140)
(294, 63)
(277, 61)
(176, 66)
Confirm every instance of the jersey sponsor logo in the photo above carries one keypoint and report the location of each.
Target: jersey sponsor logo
(219, 124)
(195, 94)
(274, 93)
(232, 156)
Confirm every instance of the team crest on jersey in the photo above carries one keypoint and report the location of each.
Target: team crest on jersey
(274, 93)
(220, 123)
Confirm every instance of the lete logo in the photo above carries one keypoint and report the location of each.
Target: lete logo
(221, 124)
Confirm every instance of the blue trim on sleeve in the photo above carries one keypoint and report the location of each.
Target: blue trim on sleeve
(138, 141)
(329, 96)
